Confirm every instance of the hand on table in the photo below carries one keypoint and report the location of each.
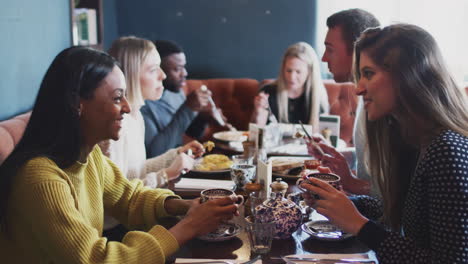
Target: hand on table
(334, 205)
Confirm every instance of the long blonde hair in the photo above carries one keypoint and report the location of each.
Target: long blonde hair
(425, 92)
(131, 53)
(316, 94)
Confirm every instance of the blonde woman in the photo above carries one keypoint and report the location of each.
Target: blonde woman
(417, 134)
(140, 63)
(298, 94)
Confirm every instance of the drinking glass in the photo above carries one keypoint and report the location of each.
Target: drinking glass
(255, 199)
(260, 235)
(242, 174)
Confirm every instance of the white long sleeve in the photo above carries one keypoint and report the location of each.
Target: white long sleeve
(129, 154)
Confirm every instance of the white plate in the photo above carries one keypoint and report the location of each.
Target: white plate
(219, 235)
(231, 136)
(289, 158)
(324, 230)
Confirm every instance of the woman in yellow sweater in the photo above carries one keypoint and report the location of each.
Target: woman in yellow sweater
(56, 185)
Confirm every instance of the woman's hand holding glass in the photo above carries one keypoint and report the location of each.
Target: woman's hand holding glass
(334, 205)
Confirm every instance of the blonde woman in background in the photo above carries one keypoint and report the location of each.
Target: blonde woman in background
(140, 63)
(298, 94)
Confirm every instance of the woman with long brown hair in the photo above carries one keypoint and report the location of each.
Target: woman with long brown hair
(417, 136)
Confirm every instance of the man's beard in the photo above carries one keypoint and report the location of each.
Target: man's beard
(171, 86)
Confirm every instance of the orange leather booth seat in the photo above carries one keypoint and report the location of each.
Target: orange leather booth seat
(11, 131)
(234, 97)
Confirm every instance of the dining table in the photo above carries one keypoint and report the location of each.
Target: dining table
(238, 248)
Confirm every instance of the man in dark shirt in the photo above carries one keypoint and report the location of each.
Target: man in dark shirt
(167, 119)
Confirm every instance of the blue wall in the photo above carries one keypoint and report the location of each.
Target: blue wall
(110, 23)
(223, 38)
(32, 34)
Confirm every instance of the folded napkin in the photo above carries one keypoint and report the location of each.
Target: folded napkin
(202, 184)
(194, 261)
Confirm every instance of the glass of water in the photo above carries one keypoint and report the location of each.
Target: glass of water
(260, 235)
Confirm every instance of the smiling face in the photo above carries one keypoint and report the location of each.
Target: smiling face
(337, 55)
(101, 116)
(295, 73)
(174, 66)
(377, 89)
(151, 77)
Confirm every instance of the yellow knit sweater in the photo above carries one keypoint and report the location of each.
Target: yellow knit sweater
(56, 216)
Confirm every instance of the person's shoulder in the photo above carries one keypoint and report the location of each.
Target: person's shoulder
(40, 169)
(448, 146)
(150, 108)
(451, 139)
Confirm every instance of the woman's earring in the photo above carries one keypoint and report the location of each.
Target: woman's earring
(79, 112)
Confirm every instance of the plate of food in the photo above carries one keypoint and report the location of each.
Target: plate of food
(324, 230)
(213, 163)
(291, 167)
(231, 136)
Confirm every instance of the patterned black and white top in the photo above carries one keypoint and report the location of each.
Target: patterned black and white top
(435, 214)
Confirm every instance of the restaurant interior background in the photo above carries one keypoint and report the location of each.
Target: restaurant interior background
(221, 38)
